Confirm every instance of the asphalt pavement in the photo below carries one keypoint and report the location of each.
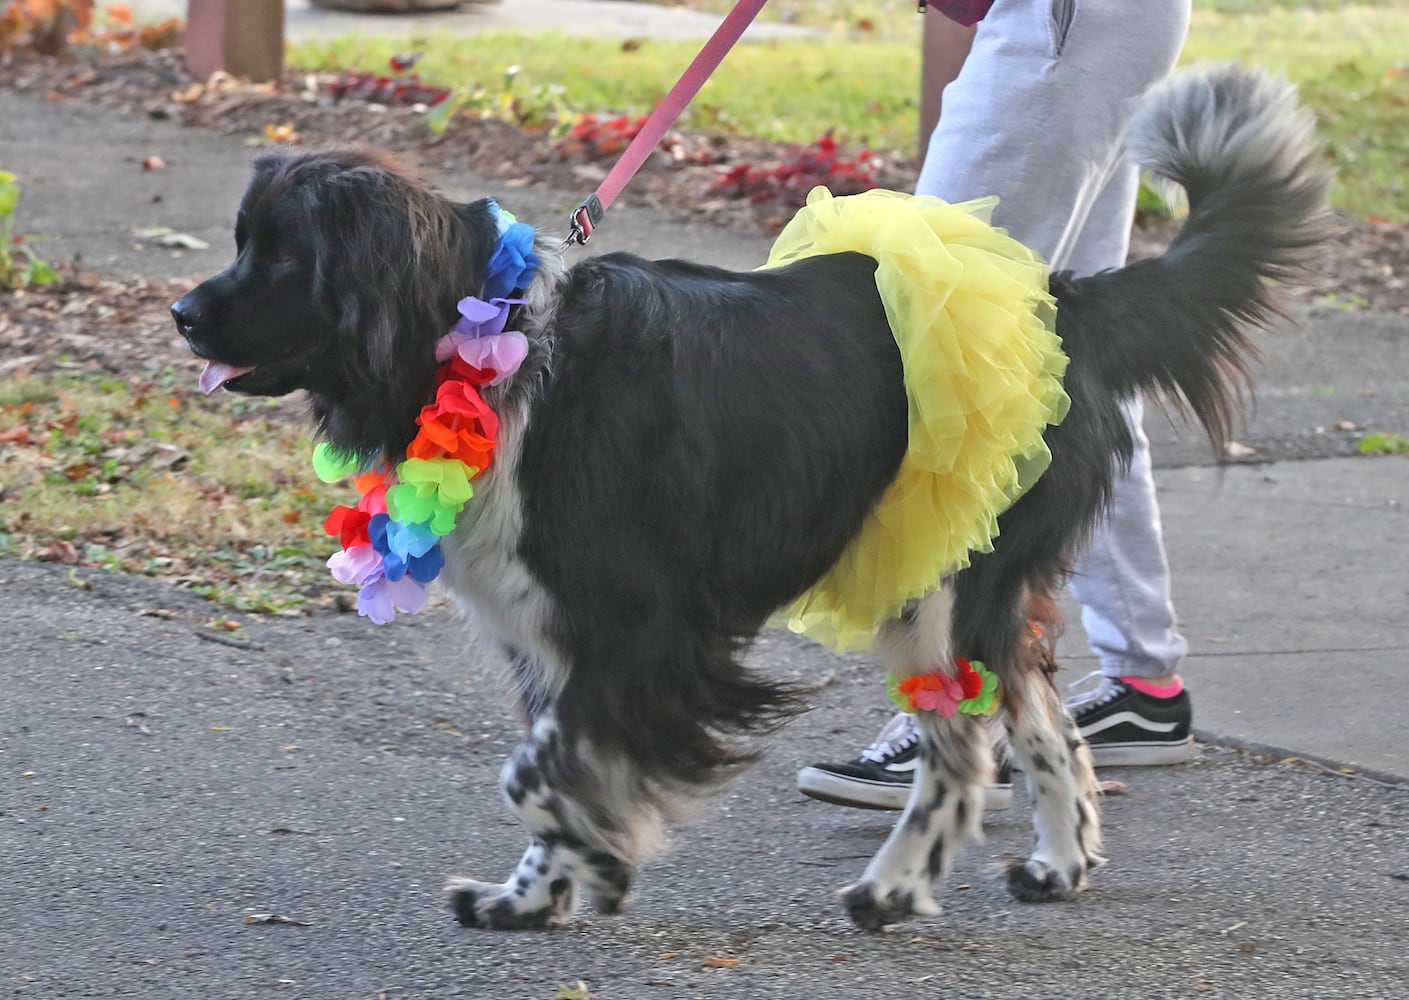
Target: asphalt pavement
(158, 789)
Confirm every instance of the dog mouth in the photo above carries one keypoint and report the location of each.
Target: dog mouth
(272, 377)
(217, 374)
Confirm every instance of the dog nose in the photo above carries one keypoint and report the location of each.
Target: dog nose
(187, 315)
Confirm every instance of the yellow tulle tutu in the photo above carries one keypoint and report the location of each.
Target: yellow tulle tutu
(983, 371)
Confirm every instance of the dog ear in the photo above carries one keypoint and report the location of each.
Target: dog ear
(478, 221)
(385, 271)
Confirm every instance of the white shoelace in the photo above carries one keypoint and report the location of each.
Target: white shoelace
(1093, 689)
(898, 734)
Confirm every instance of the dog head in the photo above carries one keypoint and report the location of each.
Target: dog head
(347, 270)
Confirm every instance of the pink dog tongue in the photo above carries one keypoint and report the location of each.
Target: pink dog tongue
(216, 374)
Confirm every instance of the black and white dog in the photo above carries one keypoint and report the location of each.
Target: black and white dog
(686, 449)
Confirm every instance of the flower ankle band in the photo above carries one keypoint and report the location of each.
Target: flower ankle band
(972, 690)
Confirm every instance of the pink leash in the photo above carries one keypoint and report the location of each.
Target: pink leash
(586, 216)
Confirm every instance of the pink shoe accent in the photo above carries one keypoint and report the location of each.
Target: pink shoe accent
(1154, 690)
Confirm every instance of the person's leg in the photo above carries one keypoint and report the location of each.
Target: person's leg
(946, 45)
(1035, 116)
(1069, 193)
(1135, 711)
(1122, 580)
(1037, 113)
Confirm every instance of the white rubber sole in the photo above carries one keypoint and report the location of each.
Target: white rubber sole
(860, 794)
(1142, 754)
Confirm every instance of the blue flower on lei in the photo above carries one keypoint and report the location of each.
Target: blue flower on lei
(513, 262)
(407, 548)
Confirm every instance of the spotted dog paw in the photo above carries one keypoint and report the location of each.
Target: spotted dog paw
(873, 908)
(1034, 881)
(513, 906)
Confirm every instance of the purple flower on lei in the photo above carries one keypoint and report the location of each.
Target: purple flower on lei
(381, 599)
(359, 565)
(479, 340)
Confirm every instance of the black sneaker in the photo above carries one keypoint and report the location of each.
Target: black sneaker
(881, 777)
(1126, 727)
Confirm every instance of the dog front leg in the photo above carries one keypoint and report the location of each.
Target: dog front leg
(541, 893)
(547, 782)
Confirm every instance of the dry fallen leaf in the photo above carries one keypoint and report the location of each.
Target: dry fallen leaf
(183, 241)
(718, 962)
(281, 133)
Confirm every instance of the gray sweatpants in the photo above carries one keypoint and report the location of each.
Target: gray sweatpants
(1036, 117)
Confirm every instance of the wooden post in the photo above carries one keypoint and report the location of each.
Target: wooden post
(242, 37)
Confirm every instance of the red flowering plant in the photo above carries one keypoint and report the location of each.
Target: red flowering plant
(596, 137)
(799, 170)
(399, 87)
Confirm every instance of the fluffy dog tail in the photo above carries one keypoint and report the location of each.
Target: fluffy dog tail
(1242, 148)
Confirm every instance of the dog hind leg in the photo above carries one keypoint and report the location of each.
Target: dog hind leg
(955, 763)
(1066, 817)
(946, 802)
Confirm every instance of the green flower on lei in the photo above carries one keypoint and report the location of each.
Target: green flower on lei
(985, 702)
(431, 491)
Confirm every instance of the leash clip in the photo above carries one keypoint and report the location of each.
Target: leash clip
(584, 219)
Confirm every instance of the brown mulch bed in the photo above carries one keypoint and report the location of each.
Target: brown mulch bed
(1367, 266)
(68, 327)
(156, 85)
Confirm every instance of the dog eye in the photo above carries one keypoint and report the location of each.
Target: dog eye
(284, 254)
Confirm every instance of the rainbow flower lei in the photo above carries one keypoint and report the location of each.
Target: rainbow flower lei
(391, 537)
(973, 690)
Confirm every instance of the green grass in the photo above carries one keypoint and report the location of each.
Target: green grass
(1350, 63)
(897, 18)
(867, 90)
(148, 478)
(1352, 66)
